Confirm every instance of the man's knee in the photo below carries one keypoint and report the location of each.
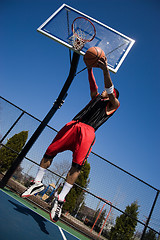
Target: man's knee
(46, 161)
(76, 166)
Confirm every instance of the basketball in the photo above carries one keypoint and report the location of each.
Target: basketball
(92, 55)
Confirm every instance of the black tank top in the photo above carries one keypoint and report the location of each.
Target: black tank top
(94, 114)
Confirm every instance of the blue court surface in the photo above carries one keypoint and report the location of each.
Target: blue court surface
(20, 222)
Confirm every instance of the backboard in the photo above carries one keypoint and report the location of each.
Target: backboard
(115, 44)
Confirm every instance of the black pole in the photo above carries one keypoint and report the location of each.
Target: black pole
(149, 217)
(38, 131)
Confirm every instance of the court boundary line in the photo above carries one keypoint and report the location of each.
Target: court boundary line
(62, 233)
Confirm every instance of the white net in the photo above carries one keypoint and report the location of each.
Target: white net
(77, 42)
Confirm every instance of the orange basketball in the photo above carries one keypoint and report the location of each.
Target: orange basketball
(92, 55)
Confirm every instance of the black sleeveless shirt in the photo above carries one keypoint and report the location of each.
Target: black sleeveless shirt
(94, 114)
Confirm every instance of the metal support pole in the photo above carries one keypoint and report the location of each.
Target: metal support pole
(38, 131)
(97, 217)
(105, 220)
(149, 217)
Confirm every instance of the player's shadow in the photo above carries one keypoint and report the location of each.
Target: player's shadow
(40, 220)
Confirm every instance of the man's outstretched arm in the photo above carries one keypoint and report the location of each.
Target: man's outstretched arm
(92, 83)
(108, 84)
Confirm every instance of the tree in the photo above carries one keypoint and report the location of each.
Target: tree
(125, 226)
(61, 168)
(72, 200)
(18, 173)
(9, 152)
(150, 235)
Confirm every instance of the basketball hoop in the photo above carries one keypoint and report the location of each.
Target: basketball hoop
(83, 31)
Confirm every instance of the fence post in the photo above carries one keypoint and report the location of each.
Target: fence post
(149, 217)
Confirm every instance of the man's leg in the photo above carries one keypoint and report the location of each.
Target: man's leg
(59, 201)
(72, 175)
(70, 180)
(44, 164)
(83, 143)
(36, 186)
(60, 143)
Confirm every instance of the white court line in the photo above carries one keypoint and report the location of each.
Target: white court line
(60, 229)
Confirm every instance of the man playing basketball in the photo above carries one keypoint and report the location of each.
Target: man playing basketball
(78, 136)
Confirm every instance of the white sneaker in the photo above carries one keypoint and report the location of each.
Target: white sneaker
(56, 209)
(35, 187)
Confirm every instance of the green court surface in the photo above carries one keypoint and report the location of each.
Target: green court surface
(23, 220)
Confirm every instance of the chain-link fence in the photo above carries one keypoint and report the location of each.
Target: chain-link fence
(110, 189)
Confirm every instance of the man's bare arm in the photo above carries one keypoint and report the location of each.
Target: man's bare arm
(92, 83)
(102, 63)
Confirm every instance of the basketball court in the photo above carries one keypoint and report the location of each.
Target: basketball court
(22, 220)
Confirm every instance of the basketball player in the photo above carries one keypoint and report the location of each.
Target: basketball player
(78, 136)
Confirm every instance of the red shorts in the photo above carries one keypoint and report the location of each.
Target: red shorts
(75, 136)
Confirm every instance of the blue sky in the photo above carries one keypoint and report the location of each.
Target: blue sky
(33, 69)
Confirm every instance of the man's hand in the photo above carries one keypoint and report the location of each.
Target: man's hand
(102, 63)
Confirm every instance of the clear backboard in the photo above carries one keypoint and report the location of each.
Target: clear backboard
(115, 44)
